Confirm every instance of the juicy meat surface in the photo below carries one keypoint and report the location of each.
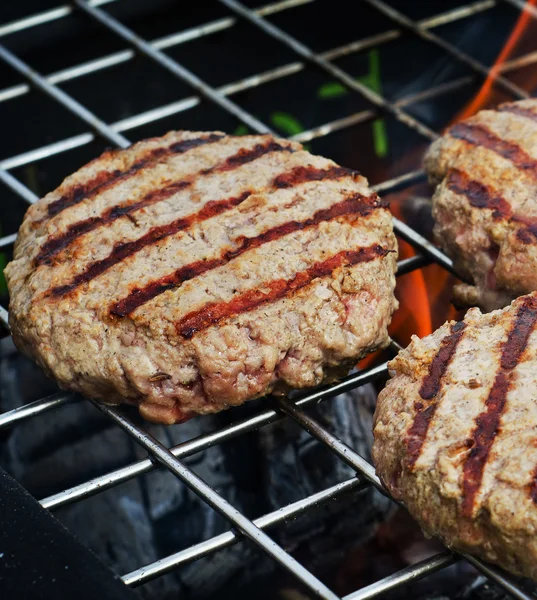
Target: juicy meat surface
(456, 434)
(485, 206)
(193, 272)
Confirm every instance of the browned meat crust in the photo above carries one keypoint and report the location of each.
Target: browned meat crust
(193, 272)
(456, 434)
(485, 205)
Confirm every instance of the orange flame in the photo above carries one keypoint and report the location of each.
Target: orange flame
(485, 92)
(424, 295)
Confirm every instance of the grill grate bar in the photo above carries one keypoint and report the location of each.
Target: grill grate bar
(45, 17)
(175, 39)
(62, 98)
(517, 63)
(19, 188)
(251, 82)
(4, 321)
(459, 55)
(362, 467)
(172, 66)
(160, 453)
(369, 115)
(8, 240)
(412, 573)
(329, 68)
(165, 565)
(169, 41)
(265, 417)
(418, 241)
(161, 112)
(33, 408)
(332, 126)
(500, 577)
(407, 265)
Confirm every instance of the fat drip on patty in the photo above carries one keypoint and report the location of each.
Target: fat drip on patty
(485, 205)
(455, 434)
(193, 272)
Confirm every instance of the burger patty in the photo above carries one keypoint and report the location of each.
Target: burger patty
(193, 272)
(485, 206)
(456, 434)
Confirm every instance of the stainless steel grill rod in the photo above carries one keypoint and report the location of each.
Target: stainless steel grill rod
(172, 40)
(418, 241)
(355, 461)
(34, 408)
(7, 240)
(412, 573)
(403, 21)
(169, 41)
(188, 555)
(19, 188)
(160, 453)
(4, 318)
(172, 66)
(57, 94)
(329, 68)
(41, 18)
(265, 417)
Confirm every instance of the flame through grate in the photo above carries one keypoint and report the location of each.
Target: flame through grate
(493, 79)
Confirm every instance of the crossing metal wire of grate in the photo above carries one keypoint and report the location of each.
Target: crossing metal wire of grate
(221, 96)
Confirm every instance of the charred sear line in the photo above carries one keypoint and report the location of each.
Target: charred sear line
(126, 249)
(482, 196)
(246, 155)
(354, 205)
(121, 251)
(533, 486)
(478, 194)
(430, 387)
(216, 312)
(106, 179)
(304, 174)
(480, 135)
(54, 245)
(488, 422)
(518, 110)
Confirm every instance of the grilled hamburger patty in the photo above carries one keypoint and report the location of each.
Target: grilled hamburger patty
(456, 434)
(195, 271)
(485, 205)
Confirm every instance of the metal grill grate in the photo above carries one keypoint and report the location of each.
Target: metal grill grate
(222, 96)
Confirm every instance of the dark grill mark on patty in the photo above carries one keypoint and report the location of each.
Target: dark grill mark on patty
(518, 110)
(123, 250)
(300, 175)
(246, 155)
(480, 195)
(480, 135)
(488, 422)
(533, 487)
(431, 385)
(355, 205)
(106, 179)
(275, 290)
(55, 244)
